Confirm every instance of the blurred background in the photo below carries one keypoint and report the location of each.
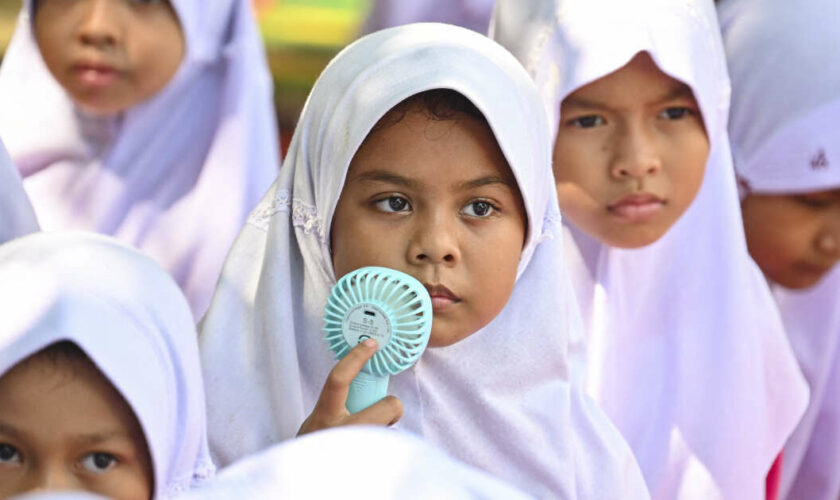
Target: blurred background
(301, 36)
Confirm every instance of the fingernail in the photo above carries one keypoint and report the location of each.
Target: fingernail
(369, 343)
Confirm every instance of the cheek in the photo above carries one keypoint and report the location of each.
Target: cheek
(358, 242)
(158, 56)
(578, 161)
(687, 164)
(775, 238)
(132, 483)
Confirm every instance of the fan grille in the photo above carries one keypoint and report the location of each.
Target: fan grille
(390, 306)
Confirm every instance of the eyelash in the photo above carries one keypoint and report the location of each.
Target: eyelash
(580, 121)
(384, 205)
(112, 461)
(813, 203)
(684, 112)
(4, 450)
(592, 121)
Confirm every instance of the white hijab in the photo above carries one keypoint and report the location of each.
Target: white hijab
(133, 322)
(177, 174)
(353, 462)
(16, 215)
(499, 400)
(785, 128)
(686, 351)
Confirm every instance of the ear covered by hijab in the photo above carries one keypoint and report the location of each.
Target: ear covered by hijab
(511, 411)
(177, 174)
(16, 215)
(131, 320)
(686, 350)
(785, 129)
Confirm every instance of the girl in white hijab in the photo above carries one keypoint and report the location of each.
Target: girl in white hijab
(100, 385)
(684, 346)
(16, 215)
(785, 129)
(498, 398)
(147, 121)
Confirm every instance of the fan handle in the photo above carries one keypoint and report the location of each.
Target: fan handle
(365, 390)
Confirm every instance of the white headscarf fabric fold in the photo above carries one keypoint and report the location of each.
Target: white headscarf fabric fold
(133, 322)
(785, 129)
(686, 351)
(499, 400)
(353, 462)
(785, 93)
(16, 215)
(177, 174)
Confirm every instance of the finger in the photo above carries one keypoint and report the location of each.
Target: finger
(386, 411)
(334, 394)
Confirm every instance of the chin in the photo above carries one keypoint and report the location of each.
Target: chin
(631, 237)
(445, 337)
(795, 281)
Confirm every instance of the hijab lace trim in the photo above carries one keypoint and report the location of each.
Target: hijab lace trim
(304, 215)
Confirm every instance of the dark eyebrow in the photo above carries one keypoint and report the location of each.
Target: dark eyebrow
(382, 176)
(678, 92)
(580, 102)
(101, 437)
(10, 431)
(486, 181)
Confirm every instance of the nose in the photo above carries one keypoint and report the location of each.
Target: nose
(100, 23)
(52, 477)
(434, 240)
(635, 154)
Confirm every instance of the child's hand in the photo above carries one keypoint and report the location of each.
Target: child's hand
(330, 410)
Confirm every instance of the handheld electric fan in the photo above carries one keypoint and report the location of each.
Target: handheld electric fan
(388, 306)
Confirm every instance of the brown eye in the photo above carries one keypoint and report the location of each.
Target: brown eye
(589, 121)
(98, 462)
(478, 209)
(393, 204)
(675, 113)
(9, 454)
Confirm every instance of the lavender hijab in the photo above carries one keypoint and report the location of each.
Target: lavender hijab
(686, 351)
(177, 174)
(785, 129)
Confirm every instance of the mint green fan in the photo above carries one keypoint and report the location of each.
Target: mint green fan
(389, 306)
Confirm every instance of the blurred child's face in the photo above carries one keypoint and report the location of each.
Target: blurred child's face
(794, 239)
(109, 54)
(630, 154)
(435, 199)
(64, 427)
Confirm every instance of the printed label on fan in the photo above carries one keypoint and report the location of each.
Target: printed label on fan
(366, 321)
